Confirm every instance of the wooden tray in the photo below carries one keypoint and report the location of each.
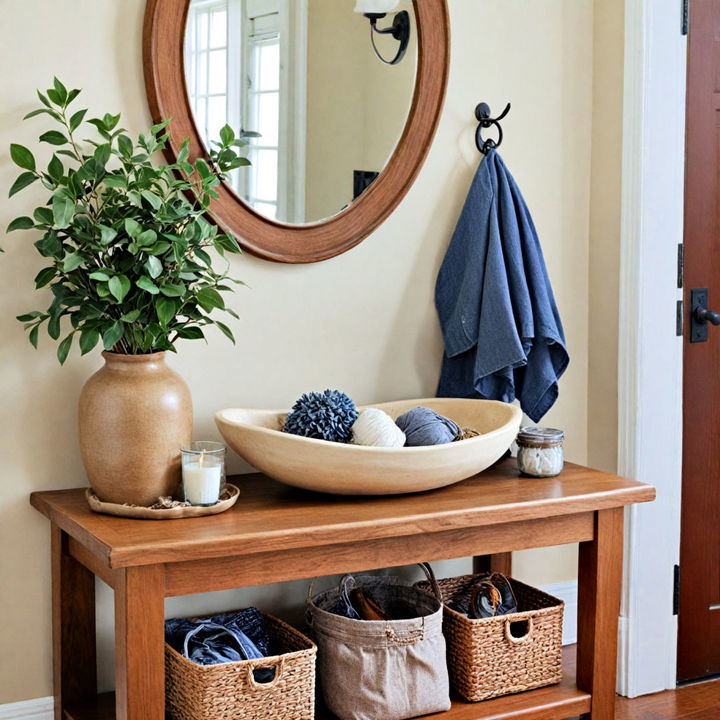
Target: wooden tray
(227, 500)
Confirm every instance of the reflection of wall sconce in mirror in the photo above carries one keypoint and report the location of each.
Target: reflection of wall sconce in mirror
(375, 10)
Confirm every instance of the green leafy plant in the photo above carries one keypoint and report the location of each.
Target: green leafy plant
(126, 240)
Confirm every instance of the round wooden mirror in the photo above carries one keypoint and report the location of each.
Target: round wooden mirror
(183, 37)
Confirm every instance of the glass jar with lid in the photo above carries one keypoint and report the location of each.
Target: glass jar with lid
(540, 451)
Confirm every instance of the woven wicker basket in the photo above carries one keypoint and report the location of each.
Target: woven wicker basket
(485, 657)
(228, 691)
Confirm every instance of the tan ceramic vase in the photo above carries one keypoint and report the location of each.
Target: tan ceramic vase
(135, 414)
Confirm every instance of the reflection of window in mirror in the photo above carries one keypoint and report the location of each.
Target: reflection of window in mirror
(245, 65)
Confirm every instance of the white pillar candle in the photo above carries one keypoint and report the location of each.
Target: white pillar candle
(201, 480)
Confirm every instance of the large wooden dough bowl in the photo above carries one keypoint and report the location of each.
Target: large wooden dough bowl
(357, 470)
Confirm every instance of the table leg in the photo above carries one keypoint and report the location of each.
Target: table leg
(599, 585)
(500, 562)
(139, 643)
(73, 614)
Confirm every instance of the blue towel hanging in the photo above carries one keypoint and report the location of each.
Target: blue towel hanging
(502, 330)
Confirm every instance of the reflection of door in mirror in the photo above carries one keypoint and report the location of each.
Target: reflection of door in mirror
(241, 58)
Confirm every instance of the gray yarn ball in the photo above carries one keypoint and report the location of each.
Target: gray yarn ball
(423, 426)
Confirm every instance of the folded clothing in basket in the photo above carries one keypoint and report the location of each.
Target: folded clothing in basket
(228, 637)
(371, 602)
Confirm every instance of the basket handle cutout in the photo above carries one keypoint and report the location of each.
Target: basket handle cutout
(277, 666)
(515, 639)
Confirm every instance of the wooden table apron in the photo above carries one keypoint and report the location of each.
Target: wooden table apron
(276, 533)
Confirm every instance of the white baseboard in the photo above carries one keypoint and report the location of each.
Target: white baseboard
(38, 709)
(568, 593)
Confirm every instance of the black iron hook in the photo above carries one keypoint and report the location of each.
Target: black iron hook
(482, 113)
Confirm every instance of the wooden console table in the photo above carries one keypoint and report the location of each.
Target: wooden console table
(276, 533)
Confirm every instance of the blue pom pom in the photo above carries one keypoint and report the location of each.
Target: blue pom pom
(423, 426)
(328, 415)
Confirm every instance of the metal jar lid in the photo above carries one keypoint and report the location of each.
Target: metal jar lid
(540, 437)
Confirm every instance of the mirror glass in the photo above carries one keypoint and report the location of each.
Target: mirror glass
(302, 75)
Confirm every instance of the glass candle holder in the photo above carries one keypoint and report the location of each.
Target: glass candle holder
(203, 472)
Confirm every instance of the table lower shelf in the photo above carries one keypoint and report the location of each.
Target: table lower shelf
(555, 702)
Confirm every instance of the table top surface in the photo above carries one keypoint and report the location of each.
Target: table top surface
(270, 516)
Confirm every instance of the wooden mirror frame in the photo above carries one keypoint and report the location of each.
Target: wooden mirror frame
(163, 43)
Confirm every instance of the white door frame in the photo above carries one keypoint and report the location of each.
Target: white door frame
(650, 353)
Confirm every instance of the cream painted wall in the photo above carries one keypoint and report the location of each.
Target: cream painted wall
(356, 105)
(384, 345)
(605, 233)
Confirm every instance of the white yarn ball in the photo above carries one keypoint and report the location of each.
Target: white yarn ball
(377, 428)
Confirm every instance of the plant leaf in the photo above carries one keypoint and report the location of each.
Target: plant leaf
(125, 145)
(44, 277)
(119, 287)
(89, 338)
(209, 299)
(75, 121)
(63, 210)
(34, 113)
(153, 266)
(53, 327)
(159, 248)
(60, 90)
(22, 157)
(202, 168)
(132, 228)
(227, 134)
(64, 349)
(147, 237)
(23, 180)
(53, 137)
(131, 317)
(33, 336)
(191, 333)
(43, 215)
(115, 181)
(226, 331)
(107, 234)
(99, 275)
(55, 168)
(72, 262)
(165, 310)
(49, 245)
(145, 283)
(112, 335)
(21, 223)
(154, 201)
(27, 317)
(172, 290)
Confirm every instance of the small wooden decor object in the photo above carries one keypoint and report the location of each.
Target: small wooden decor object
(486, 658)
(229, 691)
(227, 500)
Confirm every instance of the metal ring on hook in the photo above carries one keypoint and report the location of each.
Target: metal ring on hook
(485, 145)
(482, 113)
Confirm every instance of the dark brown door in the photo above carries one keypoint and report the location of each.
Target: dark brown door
(699, 616)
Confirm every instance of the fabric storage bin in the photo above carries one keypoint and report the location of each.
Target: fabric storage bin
(504, 654)
(229, 691)
(389, 669)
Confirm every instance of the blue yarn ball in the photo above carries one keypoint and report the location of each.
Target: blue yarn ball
(328, 415)
(423, 426)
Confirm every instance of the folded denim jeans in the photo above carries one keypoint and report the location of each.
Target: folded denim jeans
(228, 637)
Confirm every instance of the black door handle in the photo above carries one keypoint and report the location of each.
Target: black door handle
(700, 316)
(703, 315)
